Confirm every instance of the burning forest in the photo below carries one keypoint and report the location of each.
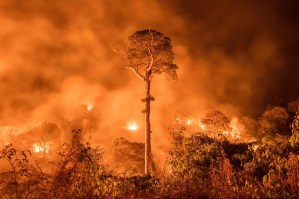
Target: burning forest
(154, 99)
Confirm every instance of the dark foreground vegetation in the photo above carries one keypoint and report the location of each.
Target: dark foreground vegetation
(198, 166)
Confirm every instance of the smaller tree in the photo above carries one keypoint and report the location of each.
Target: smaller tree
(293, 106)
(78, 172)
(198, 163)
(294, 140)
(273, 121)
(216, 123)
(128, 156)
(248, 128)
(19, 168)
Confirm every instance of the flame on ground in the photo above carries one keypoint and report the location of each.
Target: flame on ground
(132, 126)
(193, 121)
(41, 147)
(189, 122)
(234, 133)
(202, 126)
(89, 107)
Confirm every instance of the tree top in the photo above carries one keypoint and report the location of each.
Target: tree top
(149, 51)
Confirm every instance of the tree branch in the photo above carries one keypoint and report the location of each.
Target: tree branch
(152, 41)
(152, 61)
(136, 72)
(149, 51)
(124, 56)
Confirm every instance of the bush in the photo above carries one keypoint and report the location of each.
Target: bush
(198, 166)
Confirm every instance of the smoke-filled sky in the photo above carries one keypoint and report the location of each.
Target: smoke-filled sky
(233, 56)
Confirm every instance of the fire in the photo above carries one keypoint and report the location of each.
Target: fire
(41, 147)
(132, 126)
(235, 132)
(192, 122)
(202, 126)
(255, 147)
(89, 107)
(189, 122)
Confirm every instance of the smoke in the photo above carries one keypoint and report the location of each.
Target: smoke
(246, 51)
(234, 57)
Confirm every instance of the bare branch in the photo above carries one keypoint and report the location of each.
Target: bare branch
(149, 51)
(152, 61)
(136, 72)
(152, 41)
(124, 55)
(121, 51)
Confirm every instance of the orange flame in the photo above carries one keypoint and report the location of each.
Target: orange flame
(41, 147)
(132, 126)
(89, 107)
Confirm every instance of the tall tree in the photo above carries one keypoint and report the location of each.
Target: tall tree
(149, 52)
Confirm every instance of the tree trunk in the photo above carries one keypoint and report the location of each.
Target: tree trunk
(147, 162)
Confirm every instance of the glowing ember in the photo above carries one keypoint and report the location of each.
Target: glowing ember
(193, 122)
(189, 122)
(41, 147)
(235, 133)
(226, 133)
(132, 126)
(202, 126)
(89, 107)
(234, 124)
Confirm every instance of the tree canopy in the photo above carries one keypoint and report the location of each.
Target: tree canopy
(149, 51)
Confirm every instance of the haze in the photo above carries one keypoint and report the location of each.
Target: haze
(234, 57)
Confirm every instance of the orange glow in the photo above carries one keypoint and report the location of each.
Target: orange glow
(235, 132)
(41, 147)
(132, 126)
(255, 147)
(89, 107)
(202, 126)
(189, 122)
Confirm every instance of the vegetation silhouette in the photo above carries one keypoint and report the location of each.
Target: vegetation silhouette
(147, 53)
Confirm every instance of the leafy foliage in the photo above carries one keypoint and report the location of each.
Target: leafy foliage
(19, 169)
(198, 166)
(216, 123)
(273, 122)
(150, 47)
(294, 140)
(128, 156)
(149, 52)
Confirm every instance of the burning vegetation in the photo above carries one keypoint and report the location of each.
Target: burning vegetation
(200, 163)
(132, 126)
(211, 155)
(71, 125)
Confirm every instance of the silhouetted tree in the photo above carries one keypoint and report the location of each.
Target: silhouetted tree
(293, 106)
(273, 121)
(294, 139)
(128, 156)
(147, 53)
(249, 127)
(216, 123)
